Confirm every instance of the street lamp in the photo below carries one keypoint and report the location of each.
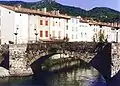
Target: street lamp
(117, 28)
(36, 34)
(116, 35)
(16, 33)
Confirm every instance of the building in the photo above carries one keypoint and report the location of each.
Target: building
(13, 26)
(107, 33)
(72, 27)
(32, 28)
(77, 30)
(22, 25)
(85, 32)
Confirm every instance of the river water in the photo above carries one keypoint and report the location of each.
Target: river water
(73, 76)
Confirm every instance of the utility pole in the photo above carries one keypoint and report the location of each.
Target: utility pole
(36, 34)
(16, 33)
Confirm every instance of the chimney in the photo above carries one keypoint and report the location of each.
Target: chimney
(65, 14)
(19, 6)
(53, 12)
(44, 10)
(118, 24)
(57, 12)
(38, 10)
(15, 8)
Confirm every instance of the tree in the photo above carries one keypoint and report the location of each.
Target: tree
(99, 37)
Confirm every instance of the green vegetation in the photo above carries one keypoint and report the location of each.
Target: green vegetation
(99, 13)
(100, 37)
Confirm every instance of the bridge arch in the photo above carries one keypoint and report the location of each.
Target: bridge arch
(101, 60)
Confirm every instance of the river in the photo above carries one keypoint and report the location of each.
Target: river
(73, 76)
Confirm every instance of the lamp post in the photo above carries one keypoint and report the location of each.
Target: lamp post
(117, 29)
(16, 33)
(36, 34)
(117, 35)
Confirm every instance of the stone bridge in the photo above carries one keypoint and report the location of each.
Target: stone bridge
(37, 51)
(102, 56)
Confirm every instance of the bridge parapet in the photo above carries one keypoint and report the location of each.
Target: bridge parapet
(73, 49)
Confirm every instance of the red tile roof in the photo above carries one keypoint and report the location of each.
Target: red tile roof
(31, 11)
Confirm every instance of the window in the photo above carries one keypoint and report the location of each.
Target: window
(86, 35)
(66, 20)
(0, 21)
(46, 33)
(53, 23)
(77, 21)
(66, 35)
(46, 23)
(94, 29)
(59, 34)
(59, 23)
(72, 28)
(0, 33)
(67, 27)
(76, 29)
(41, 22)
(41, 33)
(53, 33)
(72, 36)
(81, 34)
(76, 36)
(72, 20)
(9, 12)
(0, 12)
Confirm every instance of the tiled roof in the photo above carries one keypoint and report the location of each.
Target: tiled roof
(31, 11)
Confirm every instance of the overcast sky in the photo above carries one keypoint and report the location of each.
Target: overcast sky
(87, 4)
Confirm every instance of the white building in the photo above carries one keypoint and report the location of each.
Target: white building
(14, 25)
(85, 32)
(79, 31)
(57, 27)
(115, 35)
(96, 31)
(21, 25)
(71, 30)
(32, 27)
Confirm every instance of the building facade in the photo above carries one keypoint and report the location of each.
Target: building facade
(22, 25)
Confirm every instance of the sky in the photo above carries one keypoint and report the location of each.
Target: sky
(87, 4)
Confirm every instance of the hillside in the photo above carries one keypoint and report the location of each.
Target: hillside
(99, 13)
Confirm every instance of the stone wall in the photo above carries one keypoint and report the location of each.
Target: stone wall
(115, 56)
(18, 60)
(4, 56)
(84, 50)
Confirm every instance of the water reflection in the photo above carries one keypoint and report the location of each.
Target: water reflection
(69, 77)
(78, 77)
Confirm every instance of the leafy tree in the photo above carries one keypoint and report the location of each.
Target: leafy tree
(101, 36)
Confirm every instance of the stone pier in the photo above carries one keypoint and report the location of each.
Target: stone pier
(18, 60)
(115, 57)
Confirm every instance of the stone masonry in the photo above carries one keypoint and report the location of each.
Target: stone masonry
(115, 57)
(21, 55)
(18, 60)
